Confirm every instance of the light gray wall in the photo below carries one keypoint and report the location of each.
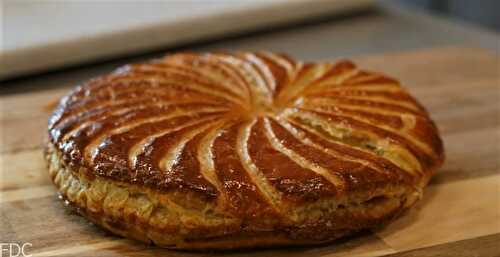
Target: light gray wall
(483, 12)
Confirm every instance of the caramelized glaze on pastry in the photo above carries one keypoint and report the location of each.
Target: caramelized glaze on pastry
(239, 150)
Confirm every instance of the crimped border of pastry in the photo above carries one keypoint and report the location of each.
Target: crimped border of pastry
(139, 215)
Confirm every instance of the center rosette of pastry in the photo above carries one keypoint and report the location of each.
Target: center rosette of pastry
(265, 109)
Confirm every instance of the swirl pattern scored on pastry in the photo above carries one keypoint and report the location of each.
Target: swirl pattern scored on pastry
(238, 150)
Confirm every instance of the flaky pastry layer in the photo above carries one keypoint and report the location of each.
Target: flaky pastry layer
(162, 219)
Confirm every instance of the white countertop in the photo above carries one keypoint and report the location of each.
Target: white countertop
(41, 35)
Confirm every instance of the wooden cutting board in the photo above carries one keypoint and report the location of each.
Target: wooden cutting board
(458, 216)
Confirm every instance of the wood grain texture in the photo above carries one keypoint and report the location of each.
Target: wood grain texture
(450, 212)
(485, 246)
(459, 215)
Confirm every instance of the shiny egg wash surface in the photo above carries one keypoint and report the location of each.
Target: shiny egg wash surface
(240, 145)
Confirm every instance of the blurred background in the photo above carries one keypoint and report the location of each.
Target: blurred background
(39, 36)
(482, 12)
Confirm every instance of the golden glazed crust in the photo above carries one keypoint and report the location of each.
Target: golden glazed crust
(237, 150)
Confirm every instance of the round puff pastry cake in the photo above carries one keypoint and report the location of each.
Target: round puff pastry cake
(240, 150)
